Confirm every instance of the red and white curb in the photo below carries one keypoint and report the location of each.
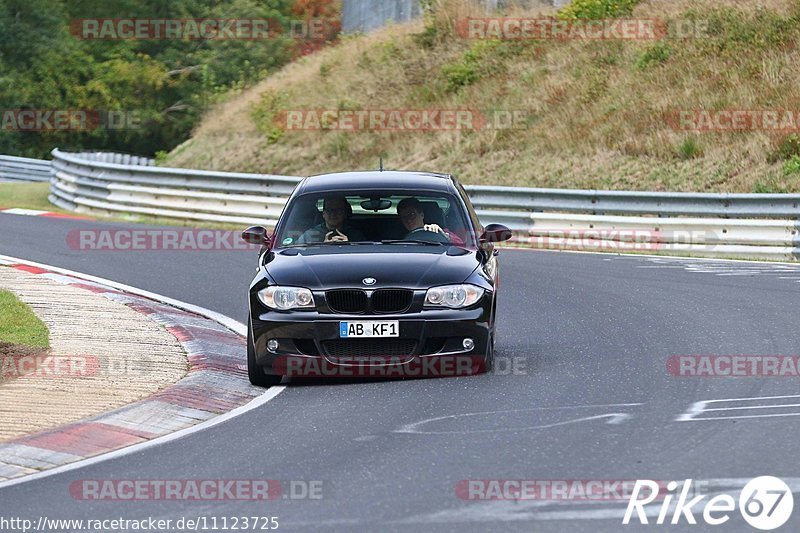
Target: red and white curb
(215, 385)
(37, 213)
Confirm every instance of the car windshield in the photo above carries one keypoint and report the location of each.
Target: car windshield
(374, 218)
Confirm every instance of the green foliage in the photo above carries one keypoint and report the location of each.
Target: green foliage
(167, 84)
(769, 187)
(161, 157)
(325, 70)
(427, 6)
(689, 149)
(792, 166)
(483, 58)
(787, 148)
(597, 9)
(460, 75)
(439, 25)
(337, 145)
(429, 36)
(733, 31)
(388, 51)
(656, 54)
(266, 114)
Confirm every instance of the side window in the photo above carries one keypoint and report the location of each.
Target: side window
(304, 215)
(476, 223)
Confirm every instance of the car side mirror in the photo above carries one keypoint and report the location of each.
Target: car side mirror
(257, 235)
(495, 233)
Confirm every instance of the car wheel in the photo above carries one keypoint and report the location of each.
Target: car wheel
(254, 371)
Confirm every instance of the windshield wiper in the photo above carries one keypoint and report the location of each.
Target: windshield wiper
(412, 241)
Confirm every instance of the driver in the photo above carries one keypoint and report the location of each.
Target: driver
(335, 227)
(413, 218)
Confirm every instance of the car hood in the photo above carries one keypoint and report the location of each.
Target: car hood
(337, 266)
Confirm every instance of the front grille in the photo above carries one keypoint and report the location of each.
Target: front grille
(382, 300)
(369, 347)
(347, 301)
(391, 300)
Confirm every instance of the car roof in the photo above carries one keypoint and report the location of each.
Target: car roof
(377, 180)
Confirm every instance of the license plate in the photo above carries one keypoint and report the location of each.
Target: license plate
(355, 330)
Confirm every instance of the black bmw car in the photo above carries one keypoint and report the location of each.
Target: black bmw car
(374, 274)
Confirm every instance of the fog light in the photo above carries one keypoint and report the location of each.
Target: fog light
(272, 345)
(468, 344)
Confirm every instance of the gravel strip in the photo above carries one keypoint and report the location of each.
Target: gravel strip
(108, 355)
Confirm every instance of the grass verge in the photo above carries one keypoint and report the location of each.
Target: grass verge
(27, 196)
(34, 196)
(18, 324)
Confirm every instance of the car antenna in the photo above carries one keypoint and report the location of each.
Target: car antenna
(381, 169)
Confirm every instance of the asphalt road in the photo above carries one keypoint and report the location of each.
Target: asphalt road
(591, 399)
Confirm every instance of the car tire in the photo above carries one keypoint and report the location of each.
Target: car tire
(254, 371)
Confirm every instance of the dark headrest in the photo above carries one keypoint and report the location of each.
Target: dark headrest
(433, 213)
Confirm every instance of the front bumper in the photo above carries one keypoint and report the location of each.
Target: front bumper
(430, 343)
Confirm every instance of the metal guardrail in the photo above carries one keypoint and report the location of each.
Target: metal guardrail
(24, 169)
(725, 205)
(758, 226)
(85, 185)
(120, 159)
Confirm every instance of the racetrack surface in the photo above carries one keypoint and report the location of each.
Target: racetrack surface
(591, 335)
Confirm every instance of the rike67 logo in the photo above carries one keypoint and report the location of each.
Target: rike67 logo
(765, 503)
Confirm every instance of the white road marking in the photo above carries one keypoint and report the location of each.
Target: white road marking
(779, 406)
(228, 322)
(534, 510)
(20, 211)
(613, 418)
(652, 257)
(698, 408)
(719, 267)
(775, 415)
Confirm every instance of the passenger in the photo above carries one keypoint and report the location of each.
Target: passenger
(412, 216)
(336, 212)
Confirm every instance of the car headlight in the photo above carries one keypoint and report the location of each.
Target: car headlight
(453, 296)
(285, 298)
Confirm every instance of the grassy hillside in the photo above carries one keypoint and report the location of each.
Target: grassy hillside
(597, 110)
